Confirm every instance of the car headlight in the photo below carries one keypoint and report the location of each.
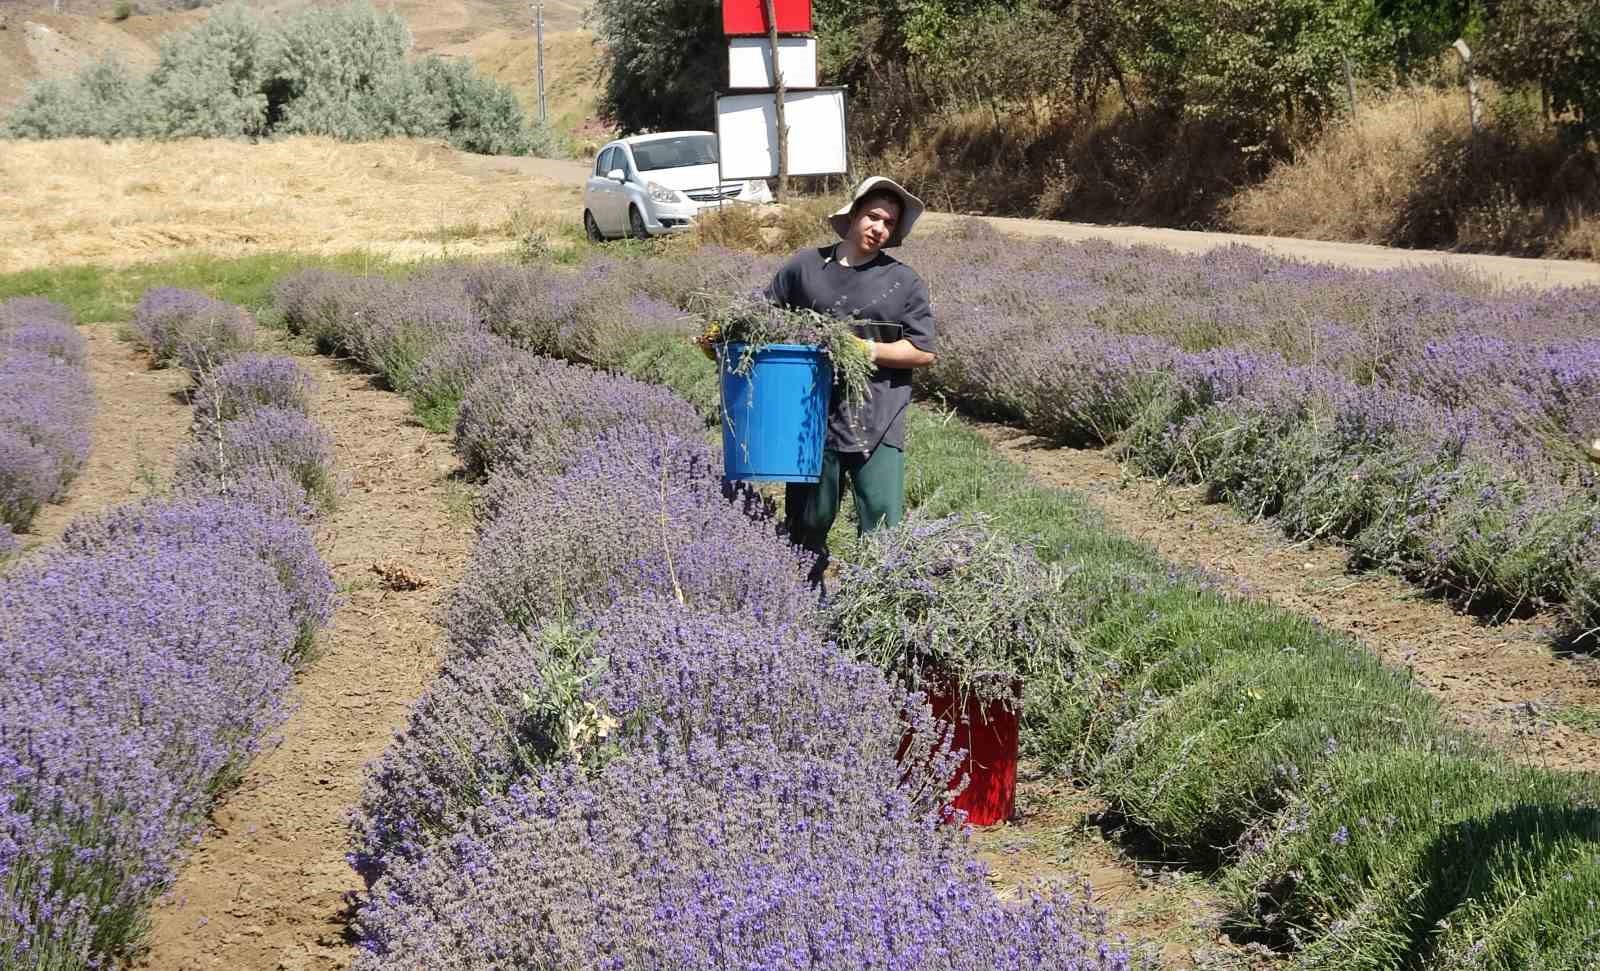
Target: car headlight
(661, 193)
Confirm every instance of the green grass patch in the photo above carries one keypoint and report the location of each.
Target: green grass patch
(99, 294)
(1411, 859)
(1585, 718)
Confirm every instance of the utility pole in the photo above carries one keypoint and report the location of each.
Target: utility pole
(783, 128)
(538, 29)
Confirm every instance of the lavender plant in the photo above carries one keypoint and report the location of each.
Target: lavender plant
(176, 525)
(16, 311)
(46, 337)
(46, 407)
(249, 382)
(1410, 859)
(443, 375)
(637, 516)
(530, 414)
(133, 683)
(264, 441)
(189, 329)
(740, 855)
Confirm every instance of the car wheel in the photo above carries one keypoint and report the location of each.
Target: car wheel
(592, 228)
(636, 224)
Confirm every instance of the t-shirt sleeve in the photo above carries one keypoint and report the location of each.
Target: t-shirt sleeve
(784, 289)
(918, 322)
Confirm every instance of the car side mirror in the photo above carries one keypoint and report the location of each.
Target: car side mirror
(618, 175)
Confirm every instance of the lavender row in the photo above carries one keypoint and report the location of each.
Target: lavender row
(1417, 416)
(46, 405)
(633, 643)
(142, 662)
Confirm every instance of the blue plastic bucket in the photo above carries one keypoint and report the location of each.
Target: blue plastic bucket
(775, 419)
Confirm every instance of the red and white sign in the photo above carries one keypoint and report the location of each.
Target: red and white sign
(748, 18)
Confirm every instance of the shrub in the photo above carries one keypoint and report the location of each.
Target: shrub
(340, 71)
(390, 327)
(45, 411)
(1366, 863)
(104, 100)
(265, 441)
(46, 338)
(190, 329)
(178, 525)
(646, 517)
(249, 382)
(443, 375)
(645, 666)
(210, 80)
(1198, 766)
(702, 855)
(16, 311)
(531, 414)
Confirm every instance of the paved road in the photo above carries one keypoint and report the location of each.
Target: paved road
(1506, 269)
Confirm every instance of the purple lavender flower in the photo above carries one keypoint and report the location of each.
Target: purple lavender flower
(48, 338)
(45, 411)
(17, 311)
(190, 329)
(248, 382)
(176, 525)
(133, 683)
(265, 441)
(531, 414)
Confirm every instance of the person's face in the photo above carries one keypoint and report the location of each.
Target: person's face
(875, 222)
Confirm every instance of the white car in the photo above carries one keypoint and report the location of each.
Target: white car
(648, 185)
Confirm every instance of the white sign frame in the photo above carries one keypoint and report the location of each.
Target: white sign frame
(747, 133)
(750, 63)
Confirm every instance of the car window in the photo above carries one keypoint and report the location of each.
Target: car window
(604, 164)
(671, 153)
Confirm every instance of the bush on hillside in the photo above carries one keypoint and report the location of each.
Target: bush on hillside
(336, 71)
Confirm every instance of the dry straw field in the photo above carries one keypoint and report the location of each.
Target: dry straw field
(118, 204)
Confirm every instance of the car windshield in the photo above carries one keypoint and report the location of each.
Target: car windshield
(672, 153)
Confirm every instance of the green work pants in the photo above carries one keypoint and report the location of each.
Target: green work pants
(878, 482)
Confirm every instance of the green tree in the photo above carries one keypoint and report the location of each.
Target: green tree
(1553, 44)
(664, 61)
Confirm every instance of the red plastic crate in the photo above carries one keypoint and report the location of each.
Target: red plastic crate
(746, 18)
(989, 734)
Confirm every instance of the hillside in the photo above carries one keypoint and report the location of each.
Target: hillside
(54, 39)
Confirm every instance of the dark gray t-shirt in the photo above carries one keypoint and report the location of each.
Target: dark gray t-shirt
(882, 290)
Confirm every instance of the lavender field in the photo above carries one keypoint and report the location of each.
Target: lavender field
(625, 703)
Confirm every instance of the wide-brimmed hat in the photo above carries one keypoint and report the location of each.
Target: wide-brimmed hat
(910, 208)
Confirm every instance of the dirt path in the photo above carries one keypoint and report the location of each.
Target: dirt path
(265, 887)
(140, 421)
(1499, 679)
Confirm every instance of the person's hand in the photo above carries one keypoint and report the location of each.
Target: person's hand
(706, 347)
(871, 348)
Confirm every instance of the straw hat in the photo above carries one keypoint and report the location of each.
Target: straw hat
(910, 208)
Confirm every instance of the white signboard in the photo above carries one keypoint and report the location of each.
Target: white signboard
(750, 62)
(747, 133)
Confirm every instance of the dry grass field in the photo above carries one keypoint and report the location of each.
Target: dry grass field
(81, 201)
